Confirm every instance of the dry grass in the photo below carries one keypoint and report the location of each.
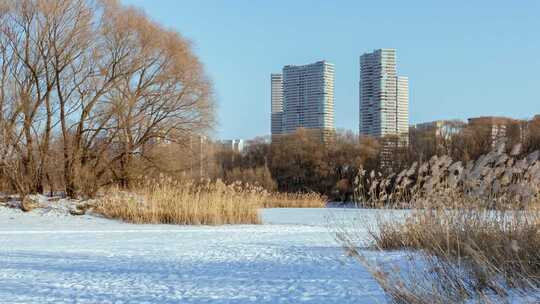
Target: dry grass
(470, 253)
(171, 202)
(166, 201)
(294, 200)
(472, 234)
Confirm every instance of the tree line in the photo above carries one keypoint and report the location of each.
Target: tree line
(467, 142)
(299, 162)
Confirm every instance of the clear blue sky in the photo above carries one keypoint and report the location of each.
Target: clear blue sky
(463, 58)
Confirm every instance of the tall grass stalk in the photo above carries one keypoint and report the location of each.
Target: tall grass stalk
(294, 200)
(466, 253)
(171, 202)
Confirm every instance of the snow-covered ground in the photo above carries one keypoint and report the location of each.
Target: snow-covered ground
(48, 257)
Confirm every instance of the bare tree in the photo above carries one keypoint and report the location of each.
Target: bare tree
(102, 78)
(164, 97)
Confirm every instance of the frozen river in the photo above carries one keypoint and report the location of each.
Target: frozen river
(292, 258)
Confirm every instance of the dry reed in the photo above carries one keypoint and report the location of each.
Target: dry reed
(294, 200)
(467, 253)
(170, 202)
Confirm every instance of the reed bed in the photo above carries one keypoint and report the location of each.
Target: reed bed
(471, 235)
(172, 202)
(469, 254)
(294, 200)
(167, 201)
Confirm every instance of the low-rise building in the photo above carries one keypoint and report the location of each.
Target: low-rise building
(498, 126)
(232, 144)
(434, 137)
(441, 128)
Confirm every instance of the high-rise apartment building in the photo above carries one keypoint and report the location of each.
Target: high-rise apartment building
(307, 99)
(384, 96)
(402, 107)
(276, 104)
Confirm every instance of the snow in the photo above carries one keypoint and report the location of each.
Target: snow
(50, 257)
(45, 204)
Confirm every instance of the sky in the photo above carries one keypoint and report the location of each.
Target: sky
(463, 58)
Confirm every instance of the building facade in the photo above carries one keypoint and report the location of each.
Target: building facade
(402, 107)
(236, 145)
(383, 96)
(307, 99)
(276, 104)
(441, 128)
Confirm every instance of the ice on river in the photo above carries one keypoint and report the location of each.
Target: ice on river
(48, 257)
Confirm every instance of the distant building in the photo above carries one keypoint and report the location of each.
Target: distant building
(431, 137)
(276, 104)
(402, 107)
(441, 128)
(256, 141)
(307, 99)
(498, 126)
(384, 96)
(232, 145)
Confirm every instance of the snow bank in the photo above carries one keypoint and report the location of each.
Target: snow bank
(42, 204)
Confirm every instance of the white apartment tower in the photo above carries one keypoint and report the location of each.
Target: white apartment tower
(402, 116)
(276, 104)
(308, 97)
(384, 96)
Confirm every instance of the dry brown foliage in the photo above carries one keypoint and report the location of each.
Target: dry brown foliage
(87, 85)
(171, 202)
(494, 178)
(294, 200)
(473, 233)
(461, 252)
